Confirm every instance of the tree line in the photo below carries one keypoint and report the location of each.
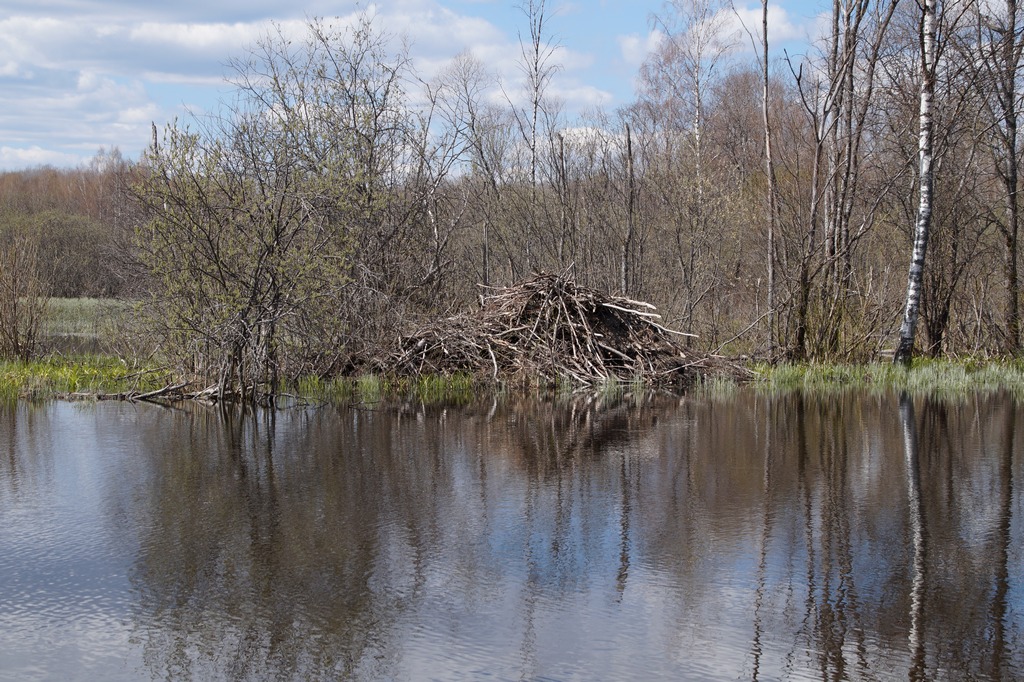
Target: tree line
(768, 203)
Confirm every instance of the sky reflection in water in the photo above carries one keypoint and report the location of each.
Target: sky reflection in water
(753, 537)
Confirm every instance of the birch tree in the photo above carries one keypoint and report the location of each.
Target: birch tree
(928, 59)
(538, 65)
(684, 172)
(773, 193)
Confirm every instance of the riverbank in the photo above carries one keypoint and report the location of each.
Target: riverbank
(102, 377)
(925, 376)
(59, 376)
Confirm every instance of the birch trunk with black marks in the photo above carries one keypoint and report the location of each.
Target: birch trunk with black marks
(905, 349)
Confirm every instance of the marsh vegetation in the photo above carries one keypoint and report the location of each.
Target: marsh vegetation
(339, 203)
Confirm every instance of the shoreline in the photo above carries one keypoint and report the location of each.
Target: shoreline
(107, 377)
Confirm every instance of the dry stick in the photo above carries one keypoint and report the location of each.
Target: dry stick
(159, 392)
(744, 331)
(205, 393)
(642, 304)
(638, 313)
(671, 331)
(616, 352)
(494, 360)
(572, 329)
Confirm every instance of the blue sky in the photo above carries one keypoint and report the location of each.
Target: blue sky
(80, 75)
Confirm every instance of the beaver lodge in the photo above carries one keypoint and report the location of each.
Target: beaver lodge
(548, 329)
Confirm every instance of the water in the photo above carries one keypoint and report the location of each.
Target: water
(852, 537)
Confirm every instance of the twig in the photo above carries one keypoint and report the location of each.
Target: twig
(159, 392)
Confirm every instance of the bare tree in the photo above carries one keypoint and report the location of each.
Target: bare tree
(996, 49)
(24, 295)
(772, 189)
(683, 169)
(290, 226)
(837, 97)
(537, 53)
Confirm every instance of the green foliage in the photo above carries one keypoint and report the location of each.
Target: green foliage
(280, 229)
(244, 251)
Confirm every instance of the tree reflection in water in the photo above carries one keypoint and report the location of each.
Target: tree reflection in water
(849, 536)
(918, 669)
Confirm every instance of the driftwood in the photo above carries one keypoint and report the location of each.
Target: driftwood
(169, 393)
(550, 329)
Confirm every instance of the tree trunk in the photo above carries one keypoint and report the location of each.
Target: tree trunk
(626, 270)
(1008, 100)
(905, 349)
(773, 202)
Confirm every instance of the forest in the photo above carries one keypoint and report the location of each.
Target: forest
(768, 205)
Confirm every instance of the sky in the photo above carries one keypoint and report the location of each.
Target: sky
(80, 76)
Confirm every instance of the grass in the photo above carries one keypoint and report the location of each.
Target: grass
(82, 325)
(73, 316)
(375, 388)
(715, 388)
(79, 325)
(57, 376)
(925, 377)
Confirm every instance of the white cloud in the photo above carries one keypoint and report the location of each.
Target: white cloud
(163, 77)
(78, 75)
(781, 28)
(571, 60)
(88, 80)
(439, 30)
(29, 157)
(198, 37)
(11, 69)
(138, 116)
(634, 48)
(582, 95)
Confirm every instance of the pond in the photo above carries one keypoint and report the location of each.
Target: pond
(855, 536)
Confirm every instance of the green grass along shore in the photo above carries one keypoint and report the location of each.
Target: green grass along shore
(81, 372)
(97, 376)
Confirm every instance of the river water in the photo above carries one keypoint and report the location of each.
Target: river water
(745, 537)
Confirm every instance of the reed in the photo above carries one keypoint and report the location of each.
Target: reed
(375, 388)
(57, 376)
(715, 388)
(926, 376)
(455, 388)
(82, 325)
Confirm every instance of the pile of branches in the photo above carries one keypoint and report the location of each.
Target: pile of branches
(549, 329)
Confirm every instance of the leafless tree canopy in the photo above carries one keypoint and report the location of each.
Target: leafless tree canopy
(767, 207)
